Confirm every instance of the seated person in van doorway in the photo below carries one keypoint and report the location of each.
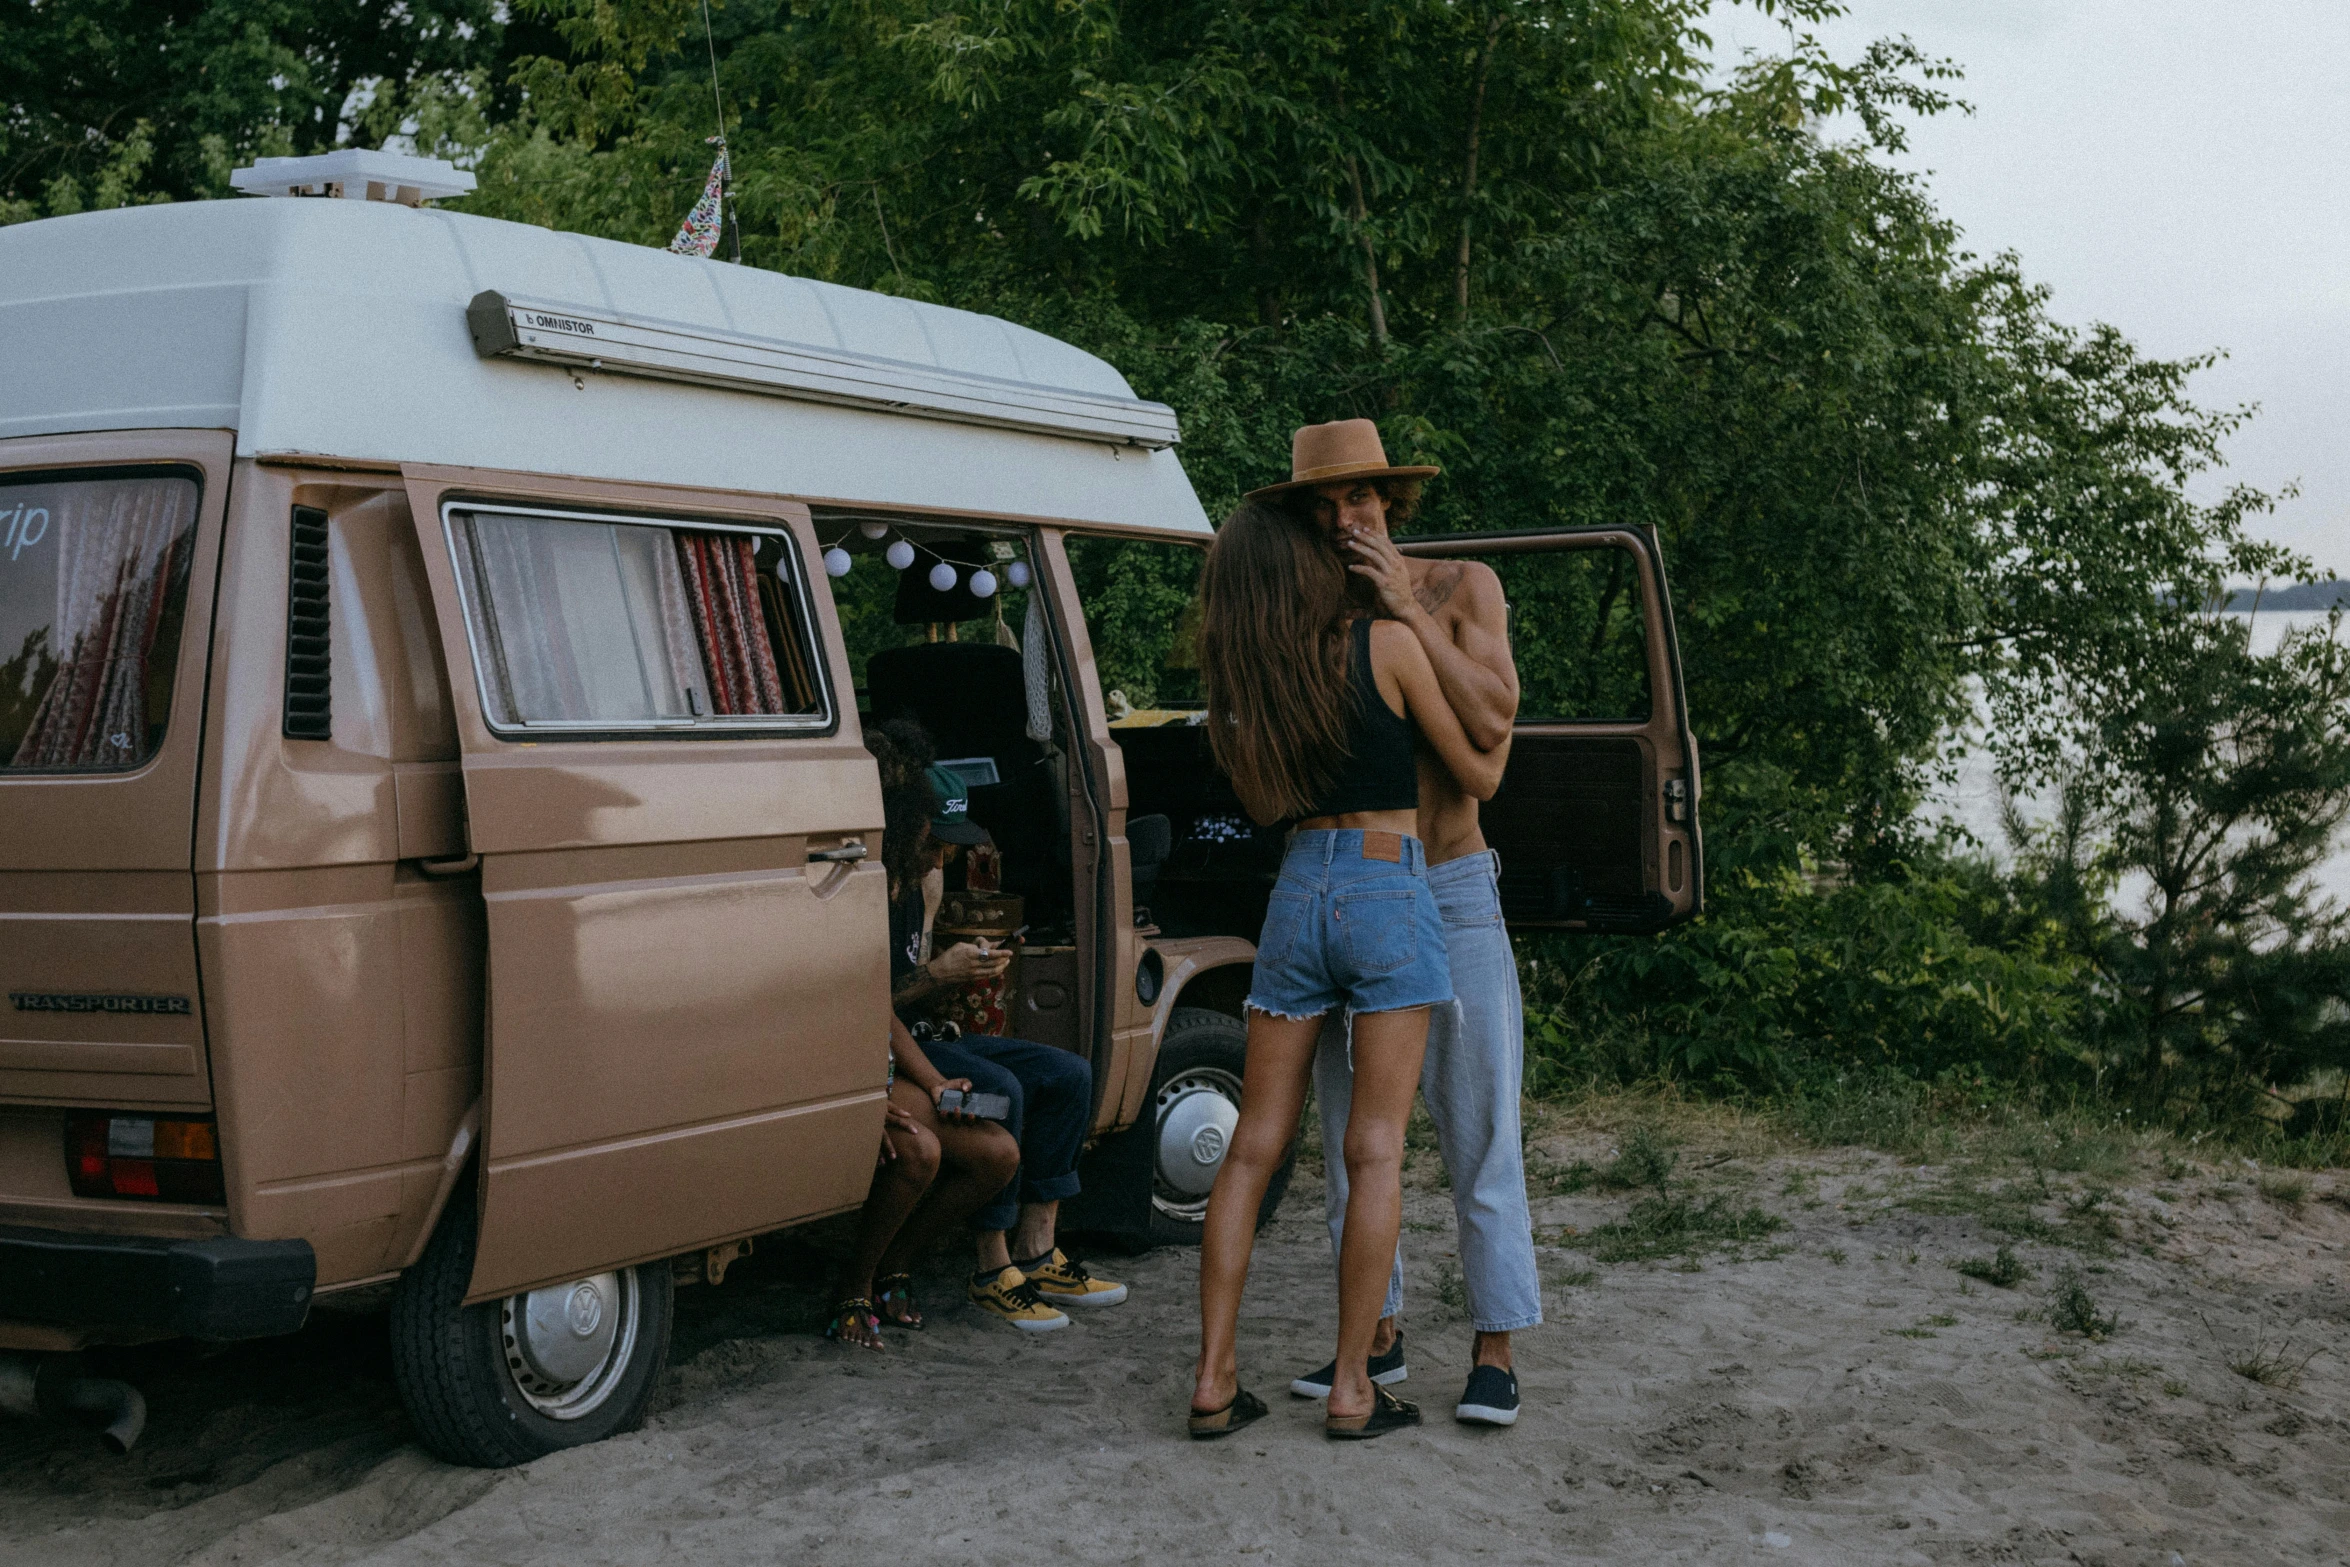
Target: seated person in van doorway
(1023, 1276)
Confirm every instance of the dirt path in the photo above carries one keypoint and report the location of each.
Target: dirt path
(1832, 1391)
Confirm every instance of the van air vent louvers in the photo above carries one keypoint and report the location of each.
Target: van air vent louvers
(309, 660)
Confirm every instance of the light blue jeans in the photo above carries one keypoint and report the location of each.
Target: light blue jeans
(1471, 1081)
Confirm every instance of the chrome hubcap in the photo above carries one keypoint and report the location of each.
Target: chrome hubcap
(1196, 1114)
(567, 1346)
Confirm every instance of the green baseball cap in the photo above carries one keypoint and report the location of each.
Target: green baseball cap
(950, 819)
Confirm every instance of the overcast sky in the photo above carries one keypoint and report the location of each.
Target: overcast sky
(2180, 168)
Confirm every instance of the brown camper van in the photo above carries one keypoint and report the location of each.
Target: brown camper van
(437, 846)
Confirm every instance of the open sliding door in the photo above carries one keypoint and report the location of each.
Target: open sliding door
(671, 805)
(1596, 820)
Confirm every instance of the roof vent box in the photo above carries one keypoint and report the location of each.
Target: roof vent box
(356, 174)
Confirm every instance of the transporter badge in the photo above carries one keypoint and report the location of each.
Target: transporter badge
(84, 1001)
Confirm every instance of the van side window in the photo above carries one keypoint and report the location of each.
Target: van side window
(582, 622)
(93, 588)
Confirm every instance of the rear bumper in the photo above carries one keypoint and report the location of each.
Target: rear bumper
(219, 1288)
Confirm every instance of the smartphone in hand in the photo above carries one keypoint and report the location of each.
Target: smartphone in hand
(988, 1107)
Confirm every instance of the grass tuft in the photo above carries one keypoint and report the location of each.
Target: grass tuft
(2286, 1191)
(1663, 1226)
(1452, 1291)
(1645, 1160)
(2003, 1268)
(2072, 1309)
(1559, 1180)
(2272, 1365)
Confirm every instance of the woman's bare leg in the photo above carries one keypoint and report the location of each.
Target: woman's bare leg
(975, 1162)
(1387, 1051)
(1272, 1096)
(899, 1185)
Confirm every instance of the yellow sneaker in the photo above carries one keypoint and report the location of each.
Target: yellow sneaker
(1009, 1294)
(1066, 1283)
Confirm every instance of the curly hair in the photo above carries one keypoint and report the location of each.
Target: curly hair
(908, 802)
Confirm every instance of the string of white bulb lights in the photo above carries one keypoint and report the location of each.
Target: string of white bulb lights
(944, 574)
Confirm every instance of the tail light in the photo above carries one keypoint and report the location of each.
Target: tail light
(138, 1156)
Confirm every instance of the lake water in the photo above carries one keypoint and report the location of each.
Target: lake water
(1973, 799)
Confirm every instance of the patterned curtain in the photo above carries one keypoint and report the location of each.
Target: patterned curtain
(119, 544)
(722, 589)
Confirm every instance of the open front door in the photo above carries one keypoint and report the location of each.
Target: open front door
(671, 806)
(1596, 821)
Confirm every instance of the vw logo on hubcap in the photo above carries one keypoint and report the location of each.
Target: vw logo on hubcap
(584, 1310)
(1207, 1144)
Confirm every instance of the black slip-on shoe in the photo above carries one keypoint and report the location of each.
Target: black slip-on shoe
(1490, 1399)
(1386, 1370)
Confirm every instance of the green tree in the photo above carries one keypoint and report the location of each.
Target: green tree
(1531, 241)
(2182, 854)
(114, 101)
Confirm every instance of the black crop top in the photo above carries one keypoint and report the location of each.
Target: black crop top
(1380, 773)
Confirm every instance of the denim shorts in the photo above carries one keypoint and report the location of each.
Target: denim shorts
(1347, 931)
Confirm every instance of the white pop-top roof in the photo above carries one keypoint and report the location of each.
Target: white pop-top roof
(339, 328)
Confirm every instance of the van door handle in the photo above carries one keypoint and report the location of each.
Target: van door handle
(847, 853)
(455, 867)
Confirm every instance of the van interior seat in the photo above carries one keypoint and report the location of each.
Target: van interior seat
(970, 698)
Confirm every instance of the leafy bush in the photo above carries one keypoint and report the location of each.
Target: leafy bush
(1933, 967)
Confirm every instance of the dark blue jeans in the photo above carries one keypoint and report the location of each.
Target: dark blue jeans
(1052, 1100)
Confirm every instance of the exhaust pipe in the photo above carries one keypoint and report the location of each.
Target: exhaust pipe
(48, 1387)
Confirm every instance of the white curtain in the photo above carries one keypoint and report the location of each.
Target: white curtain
(1036, 668)
(117, 549)
(581, 622)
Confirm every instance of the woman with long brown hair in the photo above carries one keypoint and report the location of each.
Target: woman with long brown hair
(1314, 713)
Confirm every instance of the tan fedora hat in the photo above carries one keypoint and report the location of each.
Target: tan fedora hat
(1342, 449)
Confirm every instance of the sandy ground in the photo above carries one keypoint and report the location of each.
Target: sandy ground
(1836, 1393)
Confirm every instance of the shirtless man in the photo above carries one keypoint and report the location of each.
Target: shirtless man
(1341, 480)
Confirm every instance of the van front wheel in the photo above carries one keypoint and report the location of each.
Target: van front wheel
(511, 1380)
(1195, 1102)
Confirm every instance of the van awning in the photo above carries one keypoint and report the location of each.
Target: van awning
(596, 338)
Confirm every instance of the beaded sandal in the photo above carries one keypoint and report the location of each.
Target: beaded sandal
(856, 1307)
(894, 1293)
